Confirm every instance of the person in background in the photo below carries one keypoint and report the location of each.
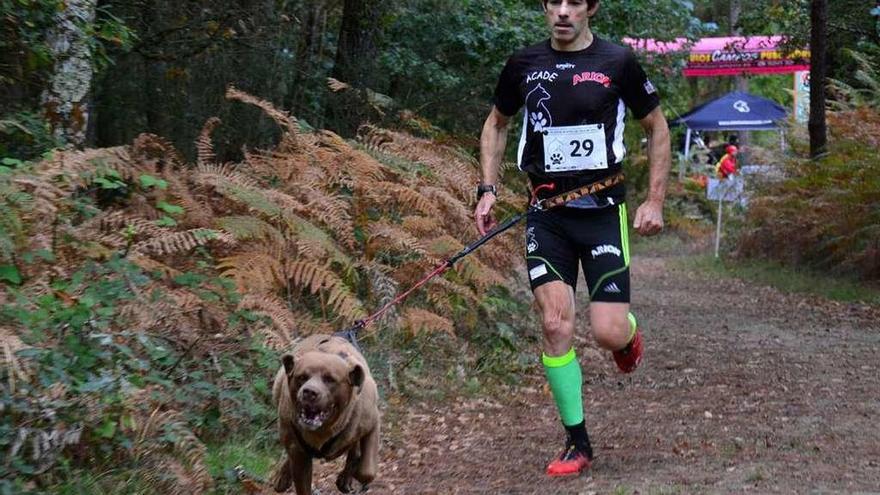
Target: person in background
(726, 166)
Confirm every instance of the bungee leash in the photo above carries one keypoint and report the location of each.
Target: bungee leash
(535, 205)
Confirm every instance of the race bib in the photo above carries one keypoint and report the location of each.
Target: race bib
(575, 147)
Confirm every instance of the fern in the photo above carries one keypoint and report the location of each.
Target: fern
(198, 213)
(204, 145)
(80, 168)
(244, 227)
(314, 277)
(284, 322)
(222, 175)
(178, 242)
(417, 321)
(420, 226)
(254, 271)
(287, 123)
(157, 152)
(395, 238)
(313, 240)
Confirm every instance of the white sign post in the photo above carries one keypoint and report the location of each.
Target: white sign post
(730, 189)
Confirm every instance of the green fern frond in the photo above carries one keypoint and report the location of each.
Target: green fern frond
(244, 227)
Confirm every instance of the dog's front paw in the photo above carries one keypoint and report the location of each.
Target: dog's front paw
(282, 478)
(343, 483)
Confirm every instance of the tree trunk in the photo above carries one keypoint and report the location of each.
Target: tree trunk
(355, 64)
(816, 125)
(358, 36)
(65, 100)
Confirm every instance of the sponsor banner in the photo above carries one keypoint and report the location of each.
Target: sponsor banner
(733, 55)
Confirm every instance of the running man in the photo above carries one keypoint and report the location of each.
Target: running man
(575, 88)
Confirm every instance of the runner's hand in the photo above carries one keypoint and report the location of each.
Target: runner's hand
(483, 214)
(649, 218)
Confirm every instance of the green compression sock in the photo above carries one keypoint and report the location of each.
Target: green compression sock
(632, 326)
(564, 375)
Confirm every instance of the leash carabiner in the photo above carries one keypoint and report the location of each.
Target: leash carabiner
(538, 204)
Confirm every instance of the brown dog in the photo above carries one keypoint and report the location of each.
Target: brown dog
(327, 406)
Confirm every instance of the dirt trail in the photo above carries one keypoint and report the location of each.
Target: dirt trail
(743, 389)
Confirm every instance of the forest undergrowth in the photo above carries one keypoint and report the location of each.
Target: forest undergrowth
(825, 213)
(144, 299)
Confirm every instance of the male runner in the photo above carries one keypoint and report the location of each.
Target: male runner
(575, 88)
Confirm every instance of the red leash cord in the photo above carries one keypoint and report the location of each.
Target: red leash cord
(351, 333)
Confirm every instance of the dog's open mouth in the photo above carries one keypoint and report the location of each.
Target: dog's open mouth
(313, 417)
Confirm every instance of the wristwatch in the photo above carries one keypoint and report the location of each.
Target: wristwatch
(484, 188)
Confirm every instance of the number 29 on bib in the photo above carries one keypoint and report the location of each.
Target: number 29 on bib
(575, 147)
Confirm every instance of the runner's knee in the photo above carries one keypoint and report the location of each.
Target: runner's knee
(611, 331)
(557, 325)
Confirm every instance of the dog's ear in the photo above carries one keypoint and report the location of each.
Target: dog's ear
(287, 361)
(356, 376)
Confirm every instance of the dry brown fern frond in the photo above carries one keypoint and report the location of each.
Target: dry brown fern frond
(455, 213)
(417, 320)
(288, 123)
(45, 195)
(331, 210)
(470, 267)
(284, 322)
(504, 253)
(421, 226)
(394, 238)
(150, 265)
(197, 213)
(204, 144)
(9, 345)
(479, 274)
(457, 289)
(374, 138)
(157, 152)
(121, 227)
(178, 242)
(383, 288)
(221, 175)
(287, 166)
(80, 168)
(254, 271)
(315, 277)
(407, 199)
(180, 469)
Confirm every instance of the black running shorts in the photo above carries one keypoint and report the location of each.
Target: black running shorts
(557, 239)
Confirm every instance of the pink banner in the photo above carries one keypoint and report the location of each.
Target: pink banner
(732, 55)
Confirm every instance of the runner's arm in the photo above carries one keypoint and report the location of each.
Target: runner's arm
(649, 216)
(493, 142)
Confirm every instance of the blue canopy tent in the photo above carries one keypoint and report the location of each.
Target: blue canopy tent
(735, 111)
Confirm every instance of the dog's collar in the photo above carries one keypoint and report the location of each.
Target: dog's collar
(325, 449)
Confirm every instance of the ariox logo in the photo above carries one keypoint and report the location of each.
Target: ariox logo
(741, 106)
(605, 249)
(596, 77)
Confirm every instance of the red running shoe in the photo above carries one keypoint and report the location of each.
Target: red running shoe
(571, 462)
(629, 358)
